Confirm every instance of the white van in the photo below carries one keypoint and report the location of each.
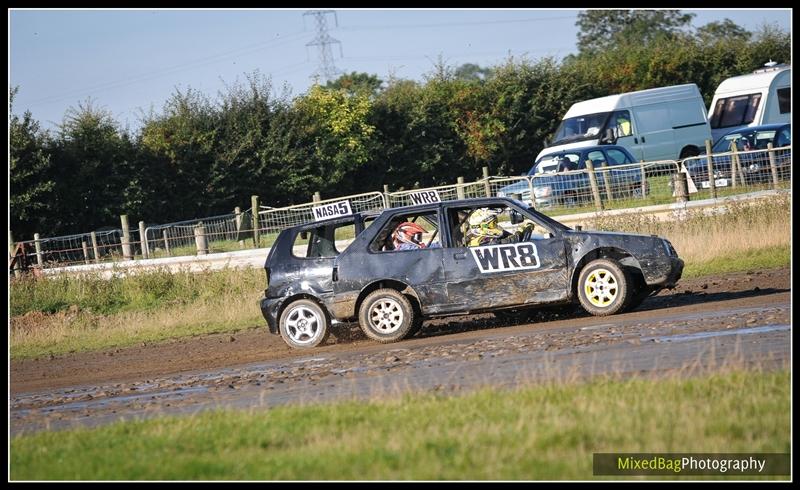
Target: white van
(663, 123)
(761, 97)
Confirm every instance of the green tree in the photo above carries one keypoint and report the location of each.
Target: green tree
(92, 169)
(722, 32)
(184, 138)
(357, 83)
(32, 206)
(470, 72)
(600, 30)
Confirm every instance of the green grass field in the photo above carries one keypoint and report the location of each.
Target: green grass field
(547, 431)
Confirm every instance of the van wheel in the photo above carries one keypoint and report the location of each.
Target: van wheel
(386, 315)
(304, 324)
(603, 287)
(688, 152)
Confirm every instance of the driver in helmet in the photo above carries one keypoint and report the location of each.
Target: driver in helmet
(484, 230)
(408, 236)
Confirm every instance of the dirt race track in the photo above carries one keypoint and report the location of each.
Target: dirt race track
(741, 319)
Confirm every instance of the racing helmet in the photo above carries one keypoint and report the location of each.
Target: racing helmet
(408, 232)
(483, 222)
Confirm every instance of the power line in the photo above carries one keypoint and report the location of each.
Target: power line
(455, 24)
(251, 48)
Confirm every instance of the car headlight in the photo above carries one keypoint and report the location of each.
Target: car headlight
(542, 191)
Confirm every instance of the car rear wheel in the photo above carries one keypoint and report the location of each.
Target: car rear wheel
(304, 324)
(603, 287)
(386, 315)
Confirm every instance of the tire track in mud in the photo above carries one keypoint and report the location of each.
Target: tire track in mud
(218, 351)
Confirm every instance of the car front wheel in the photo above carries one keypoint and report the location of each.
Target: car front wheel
(386, 315)
(603, 287)
(303, 324)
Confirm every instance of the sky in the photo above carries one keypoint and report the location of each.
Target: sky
(129, 62)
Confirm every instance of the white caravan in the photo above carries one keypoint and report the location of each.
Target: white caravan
(663, 123)
(761, 97)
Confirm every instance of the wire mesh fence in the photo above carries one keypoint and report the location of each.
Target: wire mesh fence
(593, 186)
(84, 248)
(737, 172)
(213, 234)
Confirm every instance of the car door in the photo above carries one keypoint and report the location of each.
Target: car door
(626, 180)
(526, 273)
(368, 260)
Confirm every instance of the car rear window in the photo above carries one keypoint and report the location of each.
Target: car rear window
(326, 241)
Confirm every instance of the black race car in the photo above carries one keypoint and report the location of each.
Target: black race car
(350, 268)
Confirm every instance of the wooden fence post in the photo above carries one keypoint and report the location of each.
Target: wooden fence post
(772, 166)
(254, 205)
(38, 244)
(644, 179)
(598, 203)
(95, 249)
(486, 185)
(126, 238)
(386, 202)
(166, 242)
(12, 251)
(460, 188)
(200, 239)
(681, 187)
(710, 167)
(238, 212)
(607, 181)
(85, 247)
(143, 238)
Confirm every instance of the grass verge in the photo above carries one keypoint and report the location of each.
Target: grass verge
(546, 431)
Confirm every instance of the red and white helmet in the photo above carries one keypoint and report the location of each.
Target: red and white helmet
(408, 232)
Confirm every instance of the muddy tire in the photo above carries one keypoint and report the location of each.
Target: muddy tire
(604, 287)
(386, 315)
(304, 324)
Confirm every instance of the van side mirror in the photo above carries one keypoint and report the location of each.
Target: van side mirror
(516, 217)
(304, 235)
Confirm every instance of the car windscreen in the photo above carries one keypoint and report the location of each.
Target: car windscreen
(745, 141)
(579, 128)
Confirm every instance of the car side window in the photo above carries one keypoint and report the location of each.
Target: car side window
(784, 138)
(478, 226)
(596, 157)
(616, 157)
(321, 242)
(408, 232)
